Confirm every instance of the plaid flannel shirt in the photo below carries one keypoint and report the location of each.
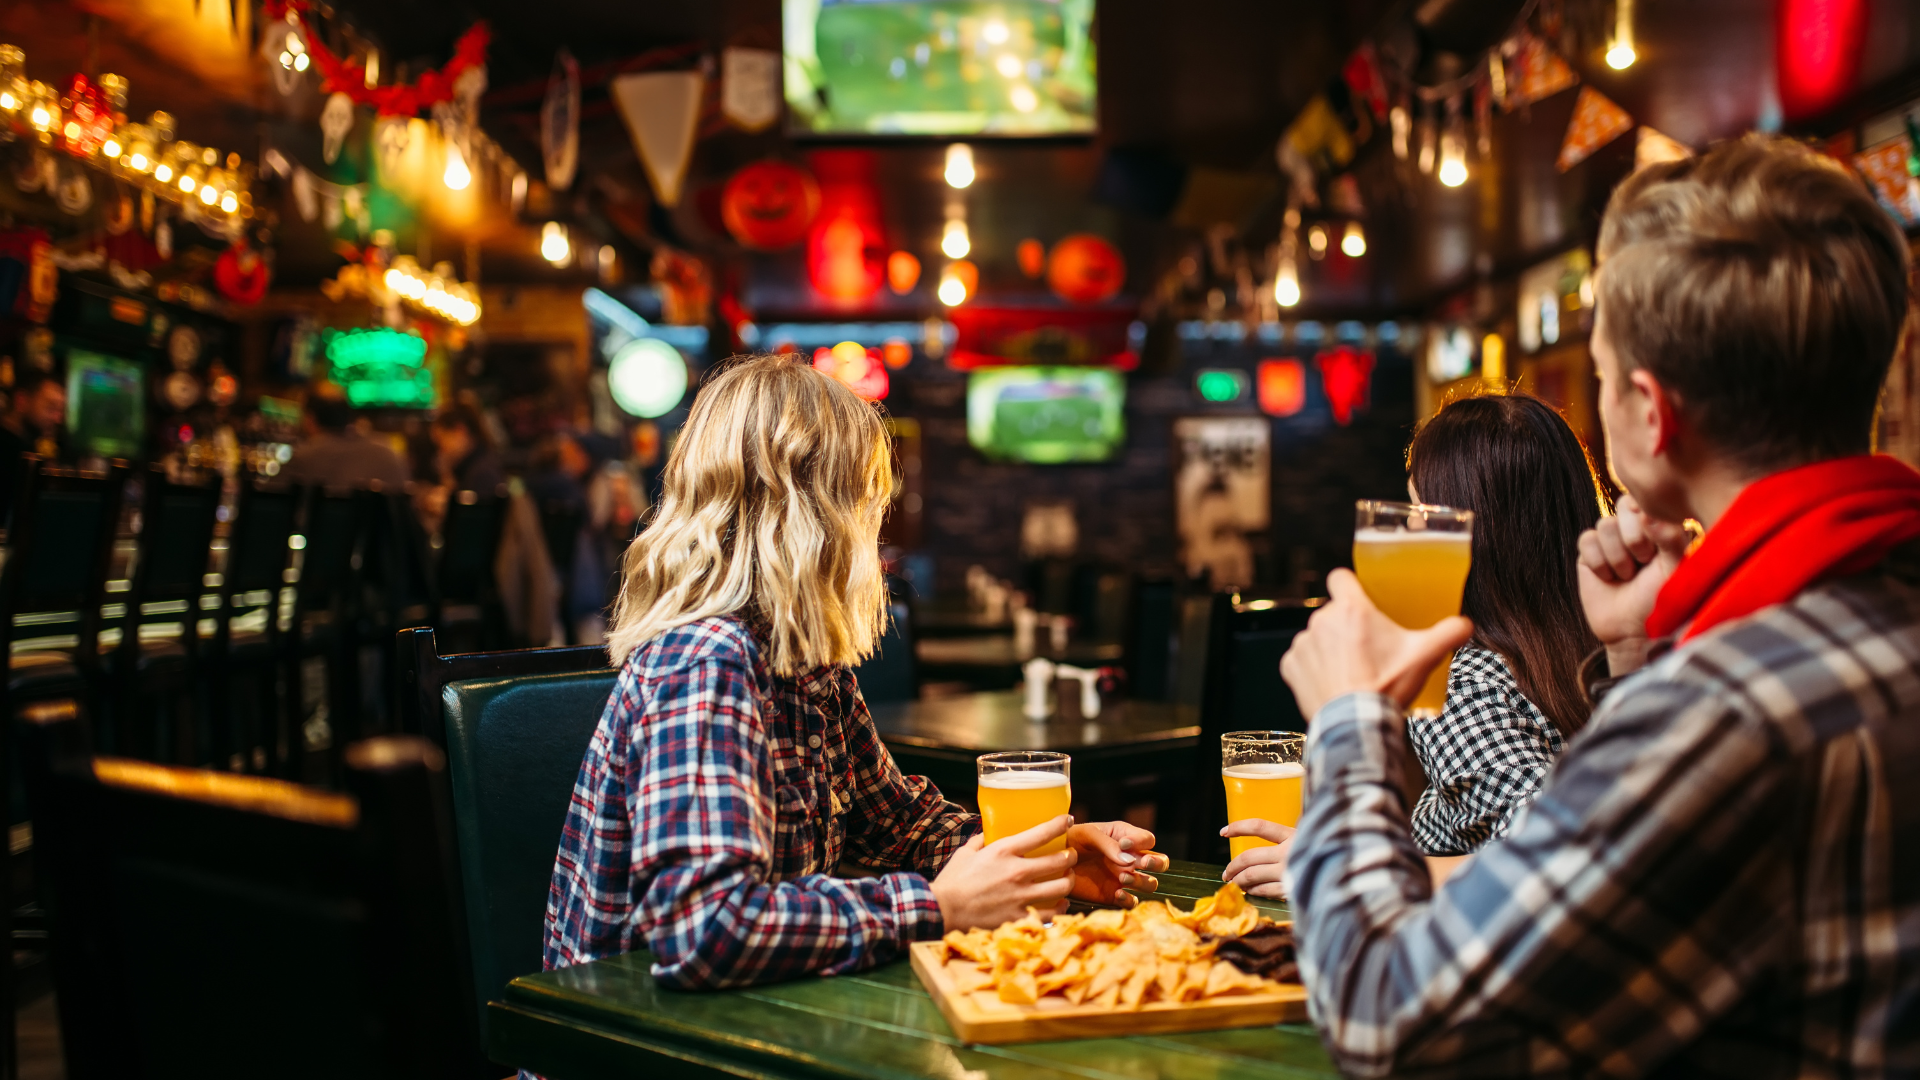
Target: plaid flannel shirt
(1721, 877)
(1485, 756)
(714, 804)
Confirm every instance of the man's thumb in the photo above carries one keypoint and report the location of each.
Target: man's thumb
(1423, 651)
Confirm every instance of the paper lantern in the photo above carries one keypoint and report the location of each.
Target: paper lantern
(647, 378)
(1282, 387)
(903, 272)
(1085, 269)
(1033, 257)
(769, 205)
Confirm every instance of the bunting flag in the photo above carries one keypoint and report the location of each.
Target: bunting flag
(560, 122)
(1654, 147)
(662, 111)
(1885, 169)
(347, 75)
(1596, 122)
(1538, 73)
(750, 87)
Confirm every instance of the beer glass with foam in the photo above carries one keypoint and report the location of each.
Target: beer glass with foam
(1413, 562)
(1023, 788)
(1264, 779)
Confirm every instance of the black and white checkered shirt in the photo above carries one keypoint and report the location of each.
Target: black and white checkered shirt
(1485, 756)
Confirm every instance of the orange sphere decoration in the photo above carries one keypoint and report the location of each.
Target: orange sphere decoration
(903, 272)
(769, 204)
(1085, 269)
(1033, 257)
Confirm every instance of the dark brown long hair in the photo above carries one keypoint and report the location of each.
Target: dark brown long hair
(1514, 462)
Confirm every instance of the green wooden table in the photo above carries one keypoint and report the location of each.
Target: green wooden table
(609, 1019)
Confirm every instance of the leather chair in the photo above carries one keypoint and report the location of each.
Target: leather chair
(516, 725)
(210, 925)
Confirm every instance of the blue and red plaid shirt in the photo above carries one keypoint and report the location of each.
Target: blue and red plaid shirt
(715, 802)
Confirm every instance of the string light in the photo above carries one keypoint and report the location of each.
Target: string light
(1286, 284)
(959, 165)
(110, 148)
(1453, 147)
(553, 243)
(452, 300)
(954, 243)
(1317, 241)
(1353, 243)
(1620, 56)
(952, 291)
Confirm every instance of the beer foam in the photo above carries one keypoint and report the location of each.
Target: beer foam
(1023, 779)
(1402, 536)
(1266, 770)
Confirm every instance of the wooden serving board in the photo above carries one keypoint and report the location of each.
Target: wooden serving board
(981, 1017)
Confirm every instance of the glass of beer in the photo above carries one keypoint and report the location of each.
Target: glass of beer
(1413, 562)
(1264, 779)
(1023, 788)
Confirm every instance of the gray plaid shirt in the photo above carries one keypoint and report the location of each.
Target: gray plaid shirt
(1721, 877)
(1485, 756)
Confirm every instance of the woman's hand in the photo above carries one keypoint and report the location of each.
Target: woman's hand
(988, 884)
(1114, 857)
(1259, 871)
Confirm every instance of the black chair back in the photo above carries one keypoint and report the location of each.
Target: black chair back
(1149, 641)
(59, 548)
(470, 538)
(176, 535)
(258, 554)
(211, 925)
(417, 658)
(333, 526)
(1229, 667)
(891, 673)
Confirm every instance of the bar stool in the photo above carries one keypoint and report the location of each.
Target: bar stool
(159, 652)
(467, 606)
(246, 646)
(319, 671)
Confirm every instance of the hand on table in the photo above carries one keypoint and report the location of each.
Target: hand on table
(1623, 563)
(1258, 871)
(1350, 646)
(1114, 857)
(988, 884)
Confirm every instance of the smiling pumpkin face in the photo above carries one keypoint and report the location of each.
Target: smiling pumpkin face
(1085, 269)
(769, 205)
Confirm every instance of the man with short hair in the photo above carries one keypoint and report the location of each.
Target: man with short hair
(334, 453)
(1722, 874)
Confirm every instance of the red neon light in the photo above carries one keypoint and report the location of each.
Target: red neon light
(1818, 52)
(1283, 387)
(1347, 376)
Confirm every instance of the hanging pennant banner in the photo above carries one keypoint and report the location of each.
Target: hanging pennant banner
(560, 122)
(1538, 73)
(750, 87)
(662, 111)
(1596, 122)
(1653, 147)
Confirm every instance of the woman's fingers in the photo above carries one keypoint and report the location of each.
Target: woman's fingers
(1275, 855)
(1037, 837)
(1271, 831)
(1261, 879)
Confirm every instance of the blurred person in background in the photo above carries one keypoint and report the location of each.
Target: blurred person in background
(334, 451)
(464, 450)
(35, 416)
(576, 479)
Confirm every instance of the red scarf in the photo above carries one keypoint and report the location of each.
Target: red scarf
(1787, 531)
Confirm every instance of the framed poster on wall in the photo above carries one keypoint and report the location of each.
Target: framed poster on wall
(1222, 494)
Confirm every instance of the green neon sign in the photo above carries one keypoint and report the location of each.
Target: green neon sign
(359, 348)
(381, 367)
(1221, 384)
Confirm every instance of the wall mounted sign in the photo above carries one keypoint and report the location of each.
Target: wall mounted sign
(1222, 494)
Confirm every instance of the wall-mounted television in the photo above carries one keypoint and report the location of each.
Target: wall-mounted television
(1046, 415)
(939, 67)
(106, 405)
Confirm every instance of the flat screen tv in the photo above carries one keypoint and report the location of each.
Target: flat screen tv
(1047, 415)
(106, 406)
(939, 67)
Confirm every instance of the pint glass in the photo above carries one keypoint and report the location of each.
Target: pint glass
(1413, 562)
(1264, 779)
(1023, 788)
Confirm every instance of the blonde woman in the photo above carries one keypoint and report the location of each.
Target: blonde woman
(736, 766)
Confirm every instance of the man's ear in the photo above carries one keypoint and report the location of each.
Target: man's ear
(1659, 413)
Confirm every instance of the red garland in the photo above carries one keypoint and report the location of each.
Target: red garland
(349, 76)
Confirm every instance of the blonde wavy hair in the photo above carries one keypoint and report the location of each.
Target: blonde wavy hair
(771, 511)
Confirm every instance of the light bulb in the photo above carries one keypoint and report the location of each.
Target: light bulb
(1317, 240)
(42, 119)
(1453, 155)
(300, 61)
(1286, 285)
(953, 291)
(1621, 56)
(229, 203)
(110, 148)
(8, 101)
(1353, 242)
(187, 183)
(137, 162)
(163, 172)
(208, 195)
(1453, 172)
(553, 243)
(953, 242)
(959, 165)
(456, 177)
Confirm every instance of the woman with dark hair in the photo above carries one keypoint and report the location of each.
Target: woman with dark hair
(1513, 696)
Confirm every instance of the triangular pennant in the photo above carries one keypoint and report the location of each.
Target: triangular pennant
(1538, 72)
(560, 122)
(1596, 122)
(1653, 147)
(662, 111)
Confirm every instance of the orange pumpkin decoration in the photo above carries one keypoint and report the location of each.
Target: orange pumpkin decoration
(1033, 257)
(769, 205)
(1085, 269)
(903, 272)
